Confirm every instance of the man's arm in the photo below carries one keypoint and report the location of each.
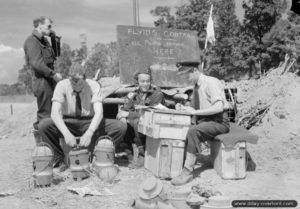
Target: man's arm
(157, 98)
(217, 107)
(57, 118)
(85, 140)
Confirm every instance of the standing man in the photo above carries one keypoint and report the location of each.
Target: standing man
(40, 56)
(207, 108)
(77, 112)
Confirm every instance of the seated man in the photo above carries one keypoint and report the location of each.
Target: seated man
(77, 112)
(146, 95)
(207, 108)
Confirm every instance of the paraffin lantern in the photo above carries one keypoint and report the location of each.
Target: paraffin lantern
(79, 162)
(42, 157)
(104, 152)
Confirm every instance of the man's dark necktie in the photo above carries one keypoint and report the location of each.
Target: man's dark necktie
(78, 104)
(195, 102)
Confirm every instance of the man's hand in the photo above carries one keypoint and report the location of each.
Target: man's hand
(70, 139)
(86, 138)
(57, 77)
(188, 109)
(122, 114)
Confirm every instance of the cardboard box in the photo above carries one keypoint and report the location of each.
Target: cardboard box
(229, 162)
(164, 157)
(164, 124)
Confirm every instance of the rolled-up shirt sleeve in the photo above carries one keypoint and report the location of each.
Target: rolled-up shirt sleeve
(59, 93)
(216, 91)
(96, 91)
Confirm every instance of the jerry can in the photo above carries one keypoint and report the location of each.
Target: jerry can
(79, 162)
(42, 157)
(104, 152)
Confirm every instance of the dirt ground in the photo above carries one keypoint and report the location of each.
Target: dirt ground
(277, 157)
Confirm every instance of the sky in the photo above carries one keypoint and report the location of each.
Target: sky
(95, 18)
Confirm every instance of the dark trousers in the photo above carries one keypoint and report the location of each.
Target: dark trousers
(43, 91)
(50, 133)
(203, 131)
(138, 138)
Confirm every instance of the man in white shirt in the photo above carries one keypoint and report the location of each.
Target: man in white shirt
(77, 112)
(209, 116)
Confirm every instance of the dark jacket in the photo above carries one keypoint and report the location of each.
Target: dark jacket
(153, 97)
(39, 55)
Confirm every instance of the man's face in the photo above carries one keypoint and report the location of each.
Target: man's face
(192, 75)
(77, 82)
(45, 28)
(144, 82)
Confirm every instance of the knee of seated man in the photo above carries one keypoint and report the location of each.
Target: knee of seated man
(122, 127)
(44, 124)
(193, 129)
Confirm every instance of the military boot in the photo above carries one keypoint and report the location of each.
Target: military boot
(186, 174)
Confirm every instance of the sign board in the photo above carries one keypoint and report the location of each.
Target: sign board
(140, 47)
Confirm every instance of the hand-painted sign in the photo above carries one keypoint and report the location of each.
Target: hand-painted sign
(140, 47)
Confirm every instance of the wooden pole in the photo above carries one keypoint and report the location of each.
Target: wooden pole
(11, 109)
(205, 45)
(134, 12)
(138, 12)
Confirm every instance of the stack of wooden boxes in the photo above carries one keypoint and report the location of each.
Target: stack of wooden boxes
(166, 133)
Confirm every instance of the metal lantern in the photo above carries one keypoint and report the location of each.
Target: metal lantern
(104, 162)
(108, 173)
(104, 152)
(42, 157)
(79, 162)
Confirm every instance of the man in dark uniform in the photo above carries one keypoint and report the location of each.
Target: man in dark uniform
(40, 57)
(146, 94)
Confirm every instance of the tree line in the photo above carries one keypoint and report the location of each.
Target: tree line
(268, 33)
(102, 57)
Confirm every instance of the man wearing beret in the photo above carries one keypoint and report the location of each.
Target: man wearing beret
(209, 117)
(77, 112)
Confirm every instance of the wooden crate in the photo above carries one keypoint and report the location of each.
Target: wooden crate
(164, 157)
(164, 124)
(229, 162)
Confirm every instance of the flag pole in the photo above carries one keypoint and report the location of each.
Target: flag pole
(205, 45)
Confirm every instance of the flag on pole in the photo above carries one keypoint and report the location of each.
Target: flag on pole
(210, 33)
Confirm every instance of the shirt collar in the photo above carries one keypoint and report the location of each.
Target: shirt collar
(37, 34)
(201, 79)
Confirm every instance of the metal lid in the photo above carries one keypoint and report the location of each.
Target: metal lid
(42, 151)
(105, 143)
(78, 152)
